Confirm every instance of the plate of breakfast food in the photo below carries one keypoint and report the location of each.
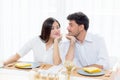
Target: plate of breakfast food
(27, 65)
(91, 71)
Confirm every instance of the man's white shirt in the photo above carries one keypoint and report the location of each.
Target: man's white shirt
(91, 51)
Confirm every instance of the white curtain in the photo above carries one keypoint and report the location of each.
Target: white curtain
(21, 20)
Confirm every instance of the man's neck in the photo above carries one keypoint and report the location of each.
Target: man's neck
(81, 36)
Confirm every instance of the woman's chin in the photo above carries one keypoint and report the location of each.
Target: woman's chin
(57, 35)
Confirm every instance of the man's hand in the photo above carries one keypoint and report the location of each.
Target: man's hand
(71, 38)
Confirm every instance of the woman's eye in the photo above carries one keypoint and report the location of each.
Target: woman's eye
(55, 27)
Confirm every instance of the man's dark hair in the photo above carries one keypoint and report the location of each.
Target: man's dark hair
(80, 18)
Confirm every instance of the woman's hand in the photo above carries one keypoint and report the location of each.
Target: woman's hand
(58, 38)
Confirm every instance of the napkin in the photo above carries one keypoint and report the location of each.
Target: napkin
(53, 69)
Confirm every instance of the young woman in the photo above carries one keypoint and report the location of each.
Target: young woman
(45, 47)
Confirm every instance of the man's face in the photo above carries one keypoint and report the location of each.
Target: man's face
(73, 28)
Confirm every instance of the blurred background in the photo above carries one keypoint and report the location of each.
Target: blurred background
(21, 20)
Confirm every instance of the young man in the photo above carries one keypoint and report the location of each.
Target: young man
(85, 49)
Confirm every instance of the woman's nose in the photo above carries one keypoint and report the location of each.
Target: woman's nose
(57, 30)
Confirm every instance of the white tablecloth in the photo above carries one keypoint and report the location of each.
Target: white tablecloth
(7, 74)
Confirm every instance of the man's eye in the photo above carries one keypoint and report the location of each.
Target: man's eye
(70, 25)
(55, 27)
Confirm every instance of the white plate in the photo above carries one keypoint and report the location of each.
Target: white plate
(90, 74)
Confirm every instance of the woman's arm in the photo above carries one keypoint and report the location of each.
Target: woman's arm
(14, 58)
(24, 50)
(56, 53)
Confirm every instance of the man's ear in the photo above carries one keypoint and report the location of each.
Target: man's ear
(81, 27)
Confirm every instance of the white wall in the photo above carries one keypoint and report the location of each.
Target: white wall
(21, 20)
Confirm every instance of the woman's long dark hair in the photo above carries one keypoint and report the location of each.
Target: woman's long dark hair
(46, 28)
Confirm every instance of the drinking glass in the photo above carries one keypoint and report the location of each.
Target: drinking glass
(69, 67)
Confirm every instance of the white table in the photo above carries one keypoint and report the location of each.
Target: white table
(7, 74)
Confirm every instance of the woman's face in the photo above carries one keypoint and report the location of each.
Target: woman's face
(55, 31)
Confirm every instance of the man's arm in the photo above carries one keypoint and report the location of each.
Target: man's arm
(102, 58)
(70, 53)
(95, 65)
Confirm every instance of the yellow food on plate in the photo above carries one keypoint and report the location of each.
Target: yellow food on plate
(22, 65)
(91, 69)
